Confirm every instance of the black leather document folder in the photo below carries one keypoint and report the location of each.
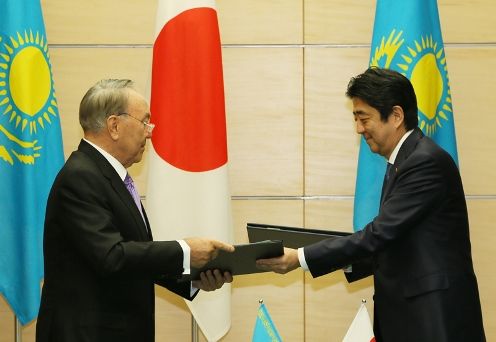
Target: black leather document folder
(242, 260)
(292, 237)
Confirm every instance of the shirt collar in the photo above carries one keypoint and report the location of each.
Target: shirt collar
(394, 154)
(119, 168)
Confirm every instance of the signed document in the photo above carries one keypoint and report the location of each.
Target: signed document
(242, 260)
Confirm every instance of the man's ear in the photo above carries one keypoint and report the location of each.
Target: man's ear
(398, 116)
(113, 127)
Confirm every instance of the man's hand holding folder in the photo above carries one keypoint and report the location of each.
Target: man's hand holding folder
(282, 264)
(240, 261)
(201, 254)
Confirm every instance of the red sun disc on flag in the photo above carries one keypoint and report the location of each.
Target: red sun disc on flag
(187, 96)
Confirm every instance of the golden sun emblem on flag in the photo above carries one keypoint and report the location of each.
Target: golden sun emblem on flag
(424, 63)
(27, 98)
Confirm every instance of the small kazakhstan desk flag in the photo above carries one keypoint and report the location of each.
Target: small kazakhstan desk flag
(265, 330)
(407, 38)
(30, 152)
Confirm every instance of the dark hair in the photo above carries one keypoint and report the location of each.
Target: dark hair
(383, 89)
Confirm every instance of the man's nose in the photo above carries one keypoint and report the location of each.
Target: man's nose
(359, 127)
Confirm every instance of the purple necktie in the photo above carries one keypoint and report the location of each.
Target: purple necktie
(132, 190)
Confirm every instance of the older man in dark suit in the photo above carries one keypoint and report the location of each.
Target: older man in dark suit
(418, 246)
(100, 261)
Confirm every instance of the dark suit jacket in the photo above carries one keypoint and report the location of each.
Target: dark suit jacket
(100, 260)
(419, 245)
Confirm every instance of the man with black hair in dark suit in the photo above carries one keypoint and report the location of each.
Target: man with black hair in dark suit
(418, 246)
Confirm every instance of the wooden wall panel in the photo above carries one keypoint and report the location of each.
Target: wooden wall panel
(351, 22)
(472, 72)
(253, 22)
(278, 212)
(331, 144)
(467, 21)
(99, 22)
(482, 215)
(339, 22)
(264, 104)
(260, 21)
(329, 214)
(7, 327)
(172, 317)
(6, 322)
(240, 22)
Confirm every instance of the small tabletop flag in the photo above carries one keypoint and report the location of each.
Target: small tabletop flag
(360, 329)
(265, 330)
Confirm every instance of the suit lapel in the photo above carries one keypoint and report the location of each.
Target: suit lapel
(405, 150)
(408, 146)
(147, 223)
(120, 188)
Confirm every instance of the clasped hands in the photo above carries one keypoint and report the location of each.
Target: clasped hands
(202, 251)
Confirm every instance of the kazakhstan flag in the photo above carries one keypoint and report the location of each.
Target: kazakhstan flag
(265, 330)
(407, 38)
(30, 152)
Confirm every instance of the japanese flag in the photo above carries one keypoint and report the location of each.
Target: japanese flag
(188, 193)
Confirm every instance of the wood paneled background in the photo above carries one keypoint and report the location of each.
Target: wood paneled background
(292, 145)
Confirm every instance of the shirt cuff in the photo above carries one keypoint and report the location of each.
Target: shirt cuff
(301, 258)
(186, 256)
(193, 290)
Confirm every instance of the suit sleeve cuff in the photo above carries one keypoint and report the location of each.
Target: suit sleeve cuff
(301, 258)
(186, 256)
(193, 291)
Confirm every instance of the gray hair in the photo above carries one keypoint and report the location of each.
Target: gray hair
(106, 97)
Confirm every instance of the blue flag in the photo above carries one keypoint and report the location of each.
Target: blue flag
(30, 152)
(407, 38)
(265, 330)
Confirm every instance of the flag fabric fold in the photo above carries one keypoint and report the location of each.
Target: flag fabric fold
(265, 330)
(360, 329)
(30, 152)
(188, 190)
(407, 38)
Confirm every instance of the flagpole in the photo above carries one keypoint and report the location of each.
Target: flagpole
(194, 329)
(18, 330)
